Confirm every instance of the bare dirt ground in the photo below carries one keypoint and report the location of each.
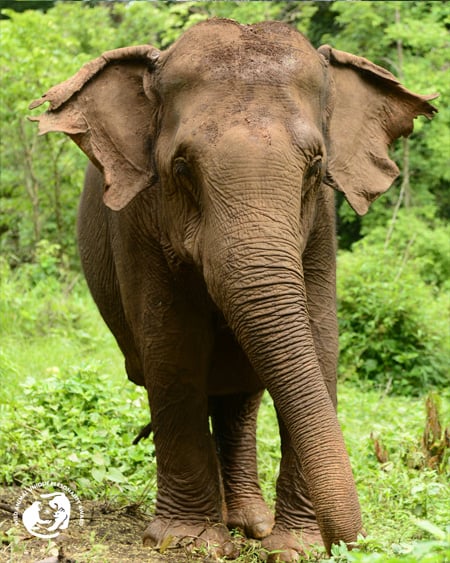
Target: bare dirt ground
(109, 534)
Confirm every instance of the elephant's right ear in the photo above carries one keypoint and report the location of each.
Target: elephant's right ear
(106, 111)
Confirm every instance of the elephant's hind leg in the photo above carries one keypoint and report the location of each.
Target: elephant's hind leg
(234, 425)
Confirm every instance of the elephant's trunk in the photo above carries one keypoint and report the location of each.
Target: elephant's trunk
(254, 274)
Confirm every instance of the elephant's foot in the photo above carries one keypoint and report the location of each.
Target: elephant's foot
(286, 546)
(165, 533)
(253, 518)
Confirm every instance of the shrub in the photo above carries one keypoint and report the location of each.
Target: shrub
(34, 298)
(394, 329)
(422, 241)
(78, 423)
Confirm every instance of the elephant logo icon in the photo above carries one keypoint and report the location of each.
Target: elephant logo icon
(46, 521)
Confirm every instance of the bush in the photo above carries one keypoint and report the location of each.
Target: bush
(80, 424)
(34, 298)
(422, 241)
(392, 303)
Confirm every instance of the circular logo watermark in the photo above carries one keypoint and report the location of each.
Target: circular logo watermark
(46, 508)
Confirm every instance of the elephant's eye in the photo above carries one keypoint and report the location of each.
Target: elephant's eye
(313, 174)
(184, 178)
(181, 167)
(315, 168)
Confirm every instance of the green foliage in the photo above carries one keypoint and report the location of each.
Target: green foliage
(436, 550)
(78, 429)
(393, 300)
(161, 23)
(423, 243)
(34, 299)
(22, 5)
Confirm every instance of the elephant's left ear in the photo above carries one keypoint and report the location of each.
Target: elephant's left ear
(368, 109)
(105, 110)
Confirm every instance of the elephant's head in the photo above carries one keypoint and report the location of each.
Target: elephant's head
(241, 129)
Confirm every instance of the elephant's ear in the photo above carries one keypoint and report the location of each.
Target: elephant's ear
(106, 111)
(368, 109)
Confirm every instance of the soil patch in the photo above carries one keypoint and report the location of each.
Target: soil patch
(109, 534)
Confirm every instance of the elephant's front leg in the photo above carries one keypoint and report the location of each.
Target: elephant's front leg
(189, 504)
(296, 528)
(234, 423)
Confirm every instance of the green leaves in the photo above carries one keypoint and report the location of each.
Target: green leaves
(79, 426)
(392, 303)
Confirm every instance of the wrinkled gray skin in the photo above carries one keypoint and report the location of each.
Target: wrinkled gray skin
(213, 260)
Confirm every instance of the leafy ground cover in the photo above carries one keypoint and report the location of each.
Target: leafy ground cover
(68, 414)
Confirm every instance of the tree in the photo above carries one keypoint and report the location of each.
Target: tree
(41, 178)
(23, 5)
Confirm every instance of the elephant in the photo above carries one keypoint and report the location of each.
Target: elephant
(206, 233)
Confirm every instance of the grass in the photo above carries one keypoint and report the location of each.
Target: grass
(68, 413)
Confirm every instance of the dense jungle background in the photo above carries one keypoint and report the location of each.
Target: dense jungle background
(68, 413)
